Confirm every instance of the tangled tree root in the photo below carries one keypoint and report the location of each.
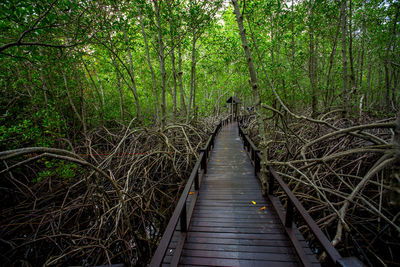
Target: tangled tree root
(113, 211)
(346, 172)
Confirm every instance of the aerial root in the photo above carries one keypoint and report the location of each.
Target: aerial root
(344, 174)
(113, 210)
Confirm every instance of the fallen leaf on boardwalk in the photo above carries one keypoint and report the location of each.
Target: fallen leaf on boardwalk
(253, 202)
(191, 193)
(263, 208)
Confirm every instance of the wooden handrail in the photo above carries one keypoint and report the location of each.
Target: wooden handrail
(180, 211)
(293, 203)
(319, 235)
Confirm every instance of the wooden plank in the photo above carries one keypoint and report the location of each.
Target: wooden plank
(234, 262)
(236, 211)
(283, 257)
(237, 176)
(227, 204)
(261, 225)
(257, 221)
(241, 230)
(259, 236)
(233, 217)
(210, 203)
(232, 204)
(240, 248)
(231, 241)
(230, 187)
(233, 196)
(238, 197)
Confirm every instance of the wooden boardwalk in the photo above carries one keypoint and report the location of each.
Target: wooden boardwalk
(232, 223)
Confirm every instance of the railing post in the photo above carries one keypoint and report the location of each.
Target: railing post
(256, 162)
(289, 214)
(213, 138)
(271, 182)
(204, 160)
(196, 181)
(183, 219)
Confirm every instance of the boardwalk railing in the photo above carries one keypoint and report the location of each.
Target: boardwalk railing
(181, 212)
(294, 204)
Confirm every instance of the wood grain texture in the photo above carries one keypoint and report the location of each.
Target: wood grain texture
(232, 223)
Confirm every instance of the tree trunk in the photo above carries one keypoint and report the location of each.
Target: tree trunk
(171, 26)
(71, 102)
(344, 56)
(132, 76)
(368, 99)
(27, 84)
(82, 96)
(361, 68)
(273, 55)
(395, 87)
(329, 92)
(292, 61)
(180, 73)
(192, 99)
(44, 86)
(101, 109)
(386, 63)
(250, 64)
(100, 86)
(119, 86)
(121, 97)
(255, 91)
(162, 63)
(311, 63)
(153, 75)
(43, 80)
(357, 68)
(351, 58)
